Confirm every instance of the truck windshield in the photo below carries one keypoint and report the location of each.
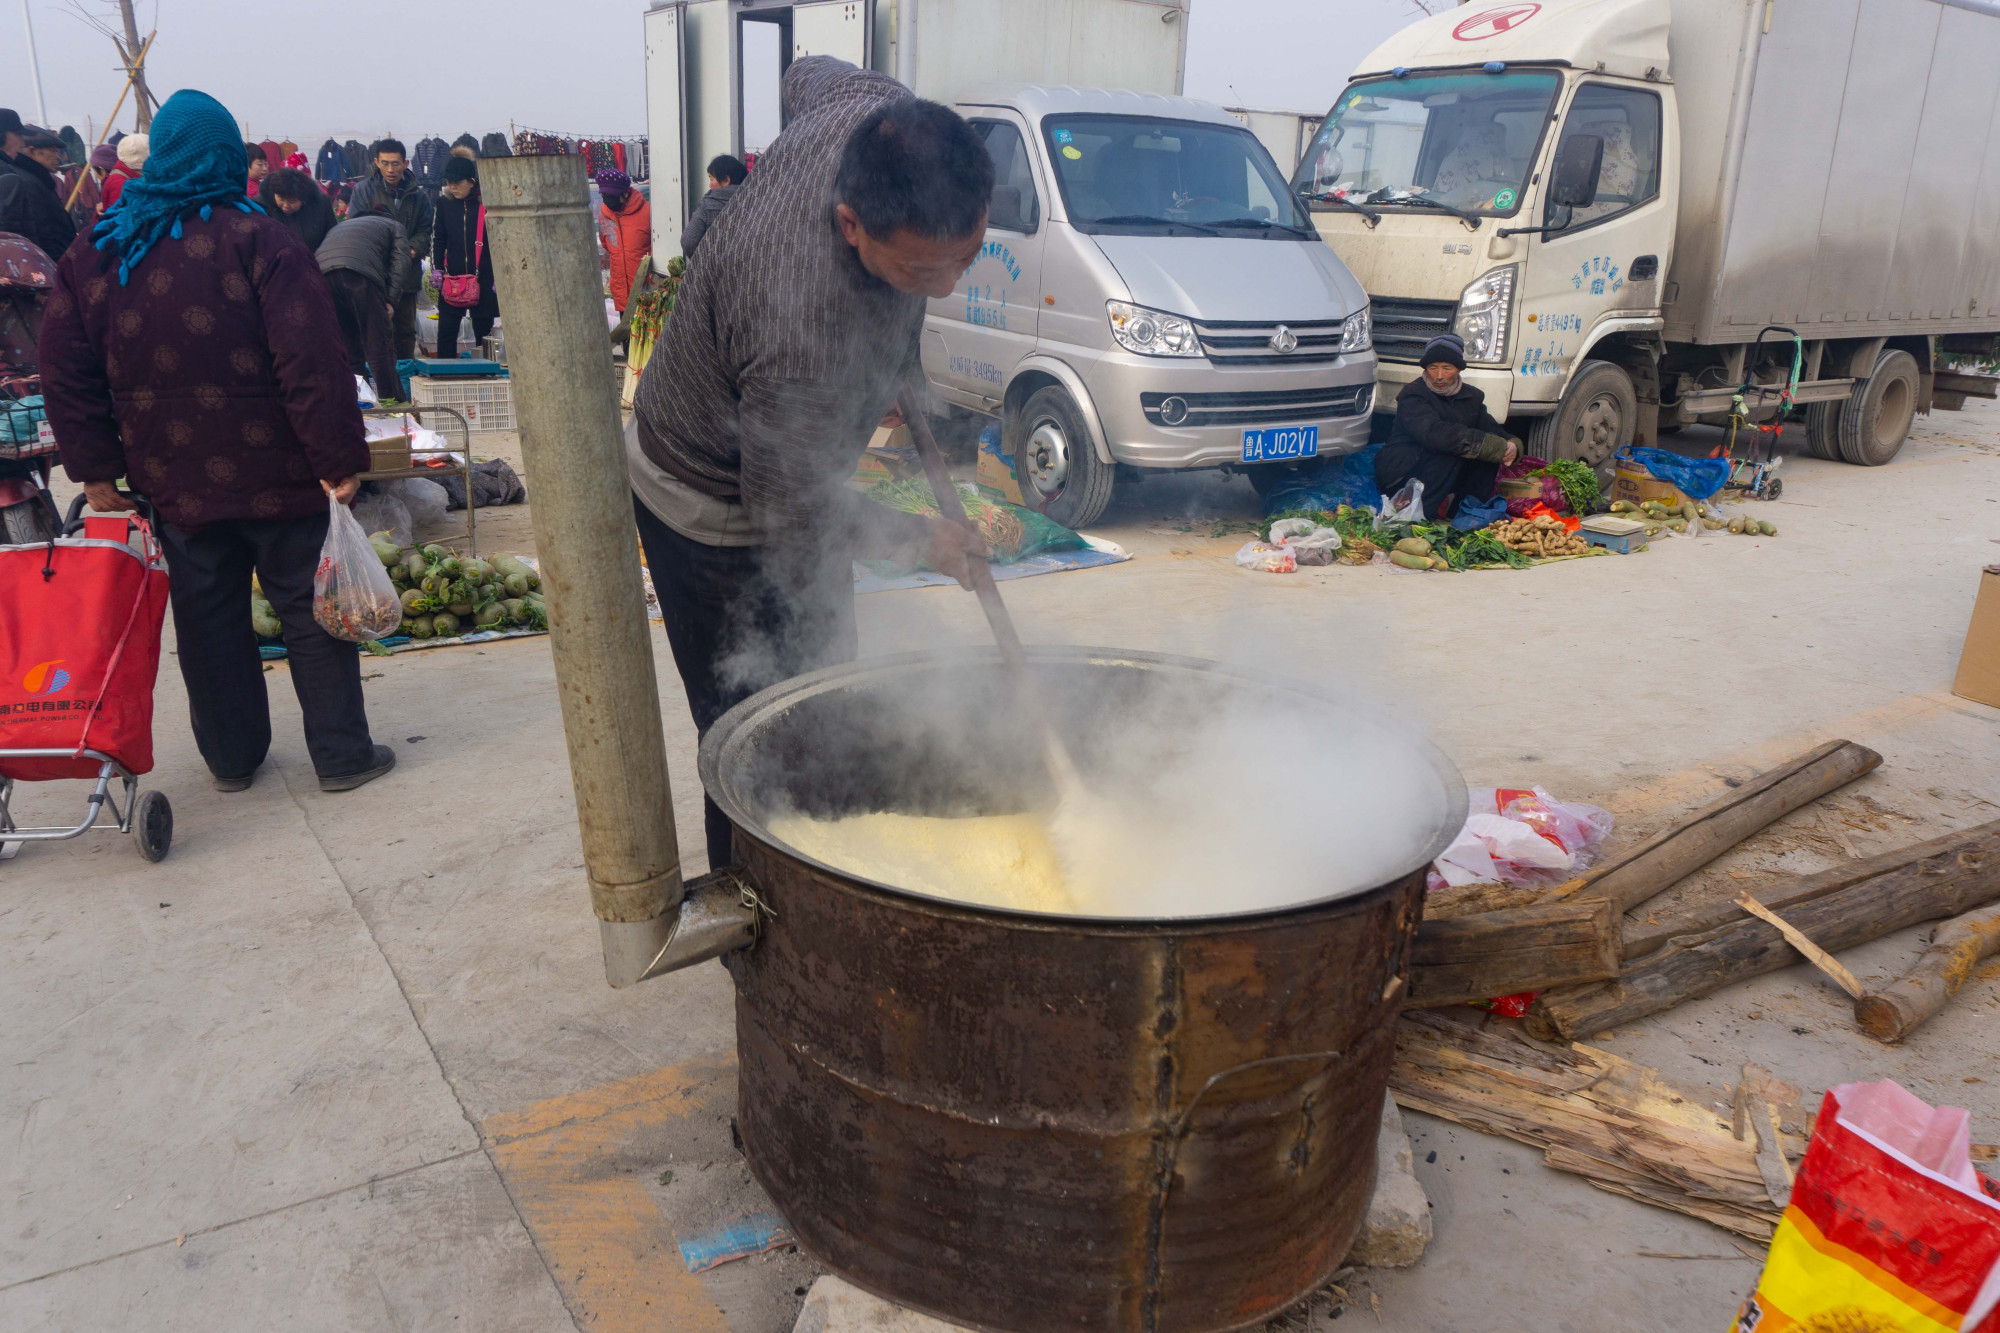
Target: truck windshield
(1467, 140)
(1141, 177)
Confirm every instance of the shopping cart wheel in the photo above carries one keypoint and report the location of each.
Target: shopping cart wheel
(153, 825)
(1771, 489)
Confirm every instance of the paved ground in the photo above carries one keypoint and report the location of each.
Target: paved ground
(348, 1062)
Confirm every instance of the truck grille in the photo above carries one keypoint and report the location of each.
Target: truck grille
(1231, 342)
(1275, 407)
(1404, 324)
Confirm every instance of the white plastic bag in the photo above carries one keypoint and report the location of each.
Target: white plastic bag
(1310, 543)
(380, 508)
(1405, 506)
(352, 596)
(427, 502)
(1271, 559)
(1523, 837)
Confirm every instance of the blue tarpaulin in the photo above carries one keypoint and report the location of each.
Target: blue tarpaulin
(1328, 484)
(1696, 478)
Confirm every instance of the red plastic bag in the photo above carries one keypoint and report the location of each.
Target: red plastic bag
(80, 648)
(1889, 1228)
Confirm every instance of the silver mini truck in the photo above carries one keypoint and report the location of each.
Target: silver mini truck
(1151, 295)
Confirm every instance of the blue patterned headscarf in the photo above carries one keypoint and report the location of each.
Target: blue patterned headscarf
(197, 162)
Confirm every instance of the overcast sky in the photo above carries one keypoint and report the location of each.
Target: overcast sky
(307, 69)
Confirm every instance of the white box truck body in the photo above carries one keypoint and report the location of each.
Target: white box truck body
(1827, 167)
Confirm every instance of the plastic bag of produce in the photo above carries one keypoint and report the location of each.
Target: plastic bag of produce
(1889, 1228)
(380, 508)
(1405, 506)
(353, 598)
(1268, 558)
(427, 502)
(1310, 543)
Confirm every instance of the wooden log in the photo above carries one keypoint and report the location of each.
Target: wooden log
(1517, 949)
(1893, 1012)
(1634, 876)
(1928, 890)
(1782, 891)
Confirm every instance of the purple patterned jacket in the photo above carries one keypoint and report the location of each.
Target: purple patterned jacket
(215, 381)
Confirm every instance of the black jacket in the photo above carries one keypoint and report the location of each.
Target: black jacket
(457, 232)
(312, 222)
(368, 245)
(705, 214)
(495, 145)
(30, 206)
(1459, 426)
(410, 206)
(331, 167)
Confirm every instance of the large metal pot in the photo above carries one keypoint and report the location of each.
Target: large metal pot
(1026, 1122)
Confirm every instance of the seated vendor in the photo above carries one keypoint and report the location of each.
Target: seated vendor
(1444, 436)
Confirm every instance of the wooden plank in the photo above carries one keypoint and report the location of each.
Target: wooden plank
(1634, 876)
(1517, 949)
(1782, 891)
(1929, 890)
(1894, 1011)
(1815, 955)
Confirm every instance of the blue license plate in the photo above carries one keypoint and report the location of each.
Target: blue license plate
(1275, 444)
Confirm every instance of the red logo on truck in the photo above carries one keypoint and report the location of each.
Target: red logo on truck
(1492, 22)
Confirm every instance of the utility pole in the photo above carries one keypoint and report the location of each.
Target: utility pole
(142, 96)
(35, 62)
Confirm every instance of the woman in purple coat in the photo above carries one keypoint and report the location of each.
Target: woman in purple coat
(194, 352)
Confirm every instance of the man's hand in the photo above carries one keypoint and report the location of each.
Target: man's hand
(953, 548)
(342, 490)
(891, 419)
(1513, 452)
(391, 308)
(105, 499)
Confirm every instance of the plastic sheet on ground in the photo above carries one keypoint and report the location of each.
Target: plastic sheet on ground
(879, 576)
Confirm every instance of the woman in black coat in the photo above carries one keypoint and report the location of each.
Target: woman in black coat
(292, 198)
(456, 249)
(1444, 436)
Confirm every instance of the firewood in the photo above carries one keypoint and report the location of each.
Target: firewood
(1516, 949)
(1636, 875)
(1894, 1011)
(1692, 965)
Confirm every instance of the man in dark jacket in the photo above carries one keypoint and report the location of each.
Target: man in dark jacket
(190, 354)
(362, 260)
(392, 187)
(29, 204)
(725, 174)
(1444, 437)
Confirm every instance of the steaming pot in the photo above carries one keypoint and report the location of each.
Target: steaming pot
(1022, 1122)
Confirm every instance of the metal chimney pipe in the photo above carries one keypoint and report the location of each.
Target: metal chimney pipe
(558, 357)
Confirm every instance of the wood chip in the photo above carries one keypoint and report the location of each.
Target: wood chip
(1815, 955)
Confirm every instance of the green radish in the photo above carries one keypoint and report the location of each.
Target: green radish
(1414, 546)
(264, 620)
(386, 550)
(417, 627)
(461, 609)
(489, 615)
(474, 569)
(1410, 560)
(413, 600)
(1768, 528)
(516, 585)
(516, 611)
(443, 625)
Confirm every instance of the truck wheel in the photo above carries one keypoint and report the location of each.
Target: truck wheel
(1266, 477)
(1823, 429)
(1596, 418)
(1059, 471)
(1876, 420)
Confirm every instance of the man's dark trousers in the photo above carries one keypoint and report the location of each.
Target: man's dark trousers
(740, 618)
(363, 307)
(208, 573)
(404, 330)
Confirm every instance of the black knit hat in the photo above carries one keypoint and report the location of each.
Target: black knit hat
(1446, 347)
(460, 169)
(10, 121)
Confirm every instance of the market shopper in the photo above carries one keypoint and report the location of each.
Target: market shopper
(392, 187)
(789, 344)
(292, 198)
(461, 249)
(1443, 435)
(260, 167)
(362, 260)
(132, 151)
(625, 228)
(725, 177)
(29, 204)
(192, 352)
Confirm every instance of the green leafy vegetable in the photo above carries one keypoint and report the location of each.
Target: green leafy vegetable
(1578, 481)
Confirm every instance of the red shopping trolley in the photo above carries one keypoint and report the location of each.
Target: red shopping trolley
(79, 650)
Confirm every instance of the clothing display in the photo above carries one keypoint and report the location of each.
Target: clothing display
(427, 161)
(465, 141)
(356, 154)
(495, 145)
(626, 155)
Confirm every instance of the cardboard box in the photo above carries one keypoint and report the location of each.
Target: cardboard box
(995, 475)
(1632, 482)
(1978, 676)
(890, 456)
(389, 453)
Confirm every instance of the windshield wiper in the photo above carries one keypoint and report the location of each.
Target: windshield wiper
(1265, 224)
(1146, 220)
(1471, 220)
(1331, 198)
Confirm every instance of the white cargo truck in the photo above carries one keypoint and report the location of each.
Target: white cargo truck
(1631, 210)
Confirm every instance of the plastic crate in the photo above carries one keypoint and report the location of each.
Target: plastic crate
(486, 404)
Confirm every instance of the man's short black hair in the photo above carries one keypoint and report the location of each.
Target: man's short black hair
(253, 153)
(729, 170)
(381, 146)
(290, 183)
(917, 165)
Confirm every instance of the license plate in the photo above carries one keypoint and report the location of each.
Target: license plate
(1280, 444)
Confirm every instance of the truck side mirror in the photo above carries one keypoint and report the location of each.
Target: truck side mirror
(1579, 162)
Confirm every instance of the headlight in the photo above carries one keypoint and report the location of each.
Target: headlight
(1354, 333)
(1485, 315)
(1151, 332)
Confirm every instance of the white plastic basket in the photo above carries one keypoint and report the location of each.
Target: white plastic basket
(486, 402)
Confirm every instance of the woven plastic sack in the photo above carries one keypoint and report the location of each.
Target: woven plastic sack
(352, 596)
(1889, 1228)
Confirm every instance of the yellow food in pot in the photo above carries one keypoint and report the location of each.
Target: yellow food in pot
(991, 860)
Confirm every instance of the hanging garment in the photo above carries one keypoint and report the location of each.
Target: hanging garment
(285, 147)
(495, 145)
(466, 141)
(356, 154)
(618, 152)
(427, 163)
(75, 151)
(332, 164)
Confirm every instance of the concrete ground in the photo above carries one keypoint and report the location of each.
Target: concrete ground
(349, 1062)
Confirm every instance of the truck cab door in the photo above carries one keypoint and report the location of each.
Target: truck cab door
(1609, 258)
(975, 337)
